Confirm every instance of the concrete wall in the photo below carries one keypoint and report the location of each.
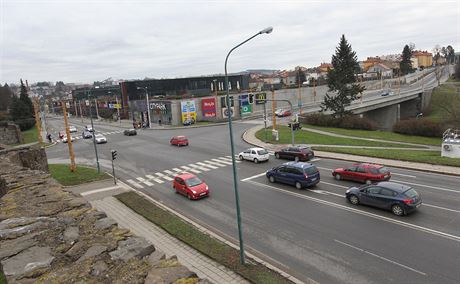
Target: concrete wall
(10, 134)
(384, 117)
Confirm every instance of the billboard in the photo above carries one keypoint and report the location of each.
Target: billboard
(188, 110)
(245, 106)
(208, 107)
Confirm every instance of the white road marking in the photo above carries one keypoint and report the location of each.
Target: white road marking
(319, 191)
(99, 190)
(439, 207)
(428, 186)
(177, 170)
(169, 172)
(206, 165)
(222, 161)
(199, 167)
(148, 183)
(190, 169)
(314, 160)
(253, 177)
(164, 176)
(381, 257)
(134, 183)
(396, 174)
(159, 174)
(360, 212)
(154, 179)
(216, 163)
(228, 159)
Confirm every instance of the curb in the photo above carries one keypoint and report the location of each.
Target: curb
(357, 158)
(218, 237)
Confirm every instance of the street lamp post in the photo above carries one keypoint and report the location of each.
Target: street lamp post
(232, 146)
(94, 132)
(148, 106)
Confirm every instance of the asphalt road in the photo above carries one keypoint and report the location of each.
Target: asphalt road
(310, 233)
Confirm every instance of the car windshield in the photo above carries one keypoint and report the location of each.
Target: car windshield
(411, 193)
(304, 149)
(383, 170)
(310, 170)
(99, 136)
(262, 152)
(194, 181)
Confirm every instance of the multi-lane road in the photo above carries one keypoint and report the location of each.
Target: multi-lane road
(312, 234)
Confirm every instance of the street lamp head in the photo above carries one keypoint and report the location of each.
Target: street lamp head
(266, 30)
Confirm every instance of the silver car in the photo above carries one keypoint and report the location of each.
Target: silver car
(100, 139)
(72, 129)
(254, 154)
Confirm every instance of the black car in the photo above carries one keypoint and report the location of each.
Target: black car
(399, 198)
(188, 121)
(130, 132)
(296, 153)
(86, 134)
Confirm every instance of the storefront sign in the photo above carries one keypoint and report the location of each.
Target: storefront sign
(158, 106)
(246, 109)
(225, 112)
(260, 98)
(208, 107)
(188, 110)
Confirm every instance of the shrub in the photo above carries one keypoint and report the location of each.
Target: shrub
(319, 119)
(349, 122)
(420, 127)
(25, 123)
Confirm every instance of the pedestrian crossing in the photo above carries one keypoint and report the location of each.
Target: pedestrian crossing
(168, 175)
(103, 133)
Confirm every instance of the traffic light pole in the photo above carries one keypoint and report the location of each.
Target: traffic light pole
(114, 156)
(292, 113)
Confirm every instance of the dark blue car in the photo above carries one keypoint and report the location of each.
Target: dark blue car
(399, 198)
(299, 174)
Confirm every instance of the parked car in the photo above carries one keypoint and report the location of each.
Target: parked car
(86, 134)
(130, 132)
(100, 138)
(89, 128)
(72, 129)
(284, 113)
(399, 198)
(299, 174)
(254, 154)
(188, 121)
(296, 153)
(362, 172)
(191, 186)
(64, 139)
(179, 141)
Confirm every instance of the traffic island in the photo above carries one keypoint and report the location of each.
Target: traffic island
(63, 175)
(215, 249)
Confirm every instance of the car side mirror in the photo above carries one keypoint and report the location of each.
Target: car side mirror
(363, 190)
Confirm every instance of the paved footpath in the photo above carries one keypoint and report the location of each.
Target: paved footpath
(100, 195)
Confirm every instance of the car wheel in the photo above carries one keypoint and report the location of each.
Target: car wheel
(397, 210)
(240, 157)
(277, 155)
(256, 161)
(271, 179)
(298, 185)
(338, 177)
(296, 159)
(354, 200)
(368, 181)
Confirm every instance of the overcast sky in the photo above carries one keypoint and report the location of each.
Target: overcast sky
(86, 41)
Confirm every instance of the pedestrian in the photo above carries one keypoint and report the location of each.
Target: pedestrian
(134, 124)
(159, 122)
(48, 136)
(169, 120)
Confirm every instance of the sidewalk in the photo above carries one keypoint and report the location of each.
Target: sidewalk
(249, 137)
(99, 194)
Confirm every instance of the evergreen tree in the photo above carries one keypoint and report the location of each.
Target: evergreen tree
(24, 98)
(5, 97)
(406, 65)
(341, 79)
(450, 54)
(22, 107)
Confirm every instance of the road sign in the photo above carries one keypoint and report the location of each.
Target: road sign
(87, 102)
(225, 112)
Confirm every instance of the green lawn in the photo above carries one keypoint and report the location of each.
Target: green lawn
(187, 233)
(430, 157)
(62, 173)
(378, 134)
(30, 135)
(308, 137)
(444, 96)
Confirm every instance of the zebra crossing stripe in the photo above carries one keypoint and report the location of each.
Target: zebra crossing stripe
(148, 183)
(134, 183)
(154, 179)
(228, 159)
(177, 170)
(216, 163)
(169, 172)
(199, 167)
(164, 176)
(190, 169)
(207, 165)
(222, 161)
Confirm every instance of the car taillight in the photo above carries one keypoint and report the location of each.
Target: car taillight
(408, 201)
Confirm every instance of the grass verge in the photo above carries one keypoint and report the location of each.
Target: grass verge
(187, 233)
(308, 137)
(62, 173)
(2, 277)
(378, 134)
(444, 97)
(30, 135)
(429, 157)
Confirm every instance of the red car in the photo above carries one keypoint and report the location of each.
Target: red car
(179, 141)
(367, 173)
(191, 186)
(284, 113)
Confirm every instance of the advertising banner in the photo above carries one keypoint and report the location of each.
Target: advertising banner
(245, 106)
(225, 112)
(188, 110)
(208, 107)
(260, 98)
(246, 109)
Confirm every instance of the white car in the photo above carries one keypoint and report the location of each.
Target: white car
(89, 128)
(100, 138)
(254, 154)
(72, 129)
(279, 111)
(64, 140)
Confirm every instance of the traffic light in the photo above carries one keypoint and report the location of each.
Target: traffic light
(251, 98)
(114, 155)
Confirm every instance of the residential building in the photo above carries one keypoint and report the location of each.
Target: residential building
(424, 58)
(324, 67)
(371, 61)
(381, 70)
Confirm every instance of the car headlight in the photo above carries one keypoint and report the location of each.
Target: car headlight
(194, 192)
(348, 191)
(207, 187)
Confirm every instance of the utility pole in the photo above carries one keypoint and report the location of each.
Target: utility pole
(37, 121)
(314, 90)
(118, 109)
(81, 113)
(75, 107)
(73, 167)
(273, 108)
(265, 120)
(97, 110)
(399, 82)
(299, 100)
(94, 133)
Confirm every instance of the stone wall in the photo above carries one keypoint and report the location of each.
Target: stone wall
(49, 235)
(10, 134)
